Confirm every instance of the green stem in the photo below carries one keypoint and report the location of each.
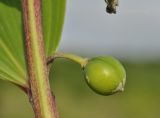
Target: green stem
(75, 58)
(40, 92)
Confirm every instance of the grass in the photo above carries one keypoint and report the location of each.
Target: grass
(75, 99)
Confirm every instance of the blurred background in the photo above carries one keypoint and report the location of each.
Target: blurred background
(132, 36)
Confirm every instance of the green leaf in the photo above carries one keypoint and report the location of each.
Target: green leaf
(53, 18)
(12, 59)
(12, 50)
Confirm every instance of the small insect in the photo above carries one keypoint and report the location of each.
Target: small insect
(111, 6)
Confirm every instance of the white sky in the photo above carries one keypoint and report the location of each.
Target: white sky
(134, 32)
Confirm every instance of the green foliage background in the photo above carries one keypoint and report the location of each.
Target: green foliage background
(75, 99)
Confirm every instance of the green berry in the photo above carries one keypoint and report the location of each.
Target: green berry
(105, 75)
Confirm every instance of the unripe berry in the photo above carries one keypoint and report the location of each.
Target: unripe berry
(105, 75)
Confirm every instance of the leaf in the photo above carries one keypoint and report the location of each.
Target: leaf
(12, 50)
(53, 18)
(12, 59)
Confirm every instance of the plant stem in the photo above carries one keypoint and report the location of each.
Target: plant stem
(75, 58)
(40, 92)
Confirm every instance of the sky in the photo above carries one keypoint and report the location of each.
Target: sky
(133, 33)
